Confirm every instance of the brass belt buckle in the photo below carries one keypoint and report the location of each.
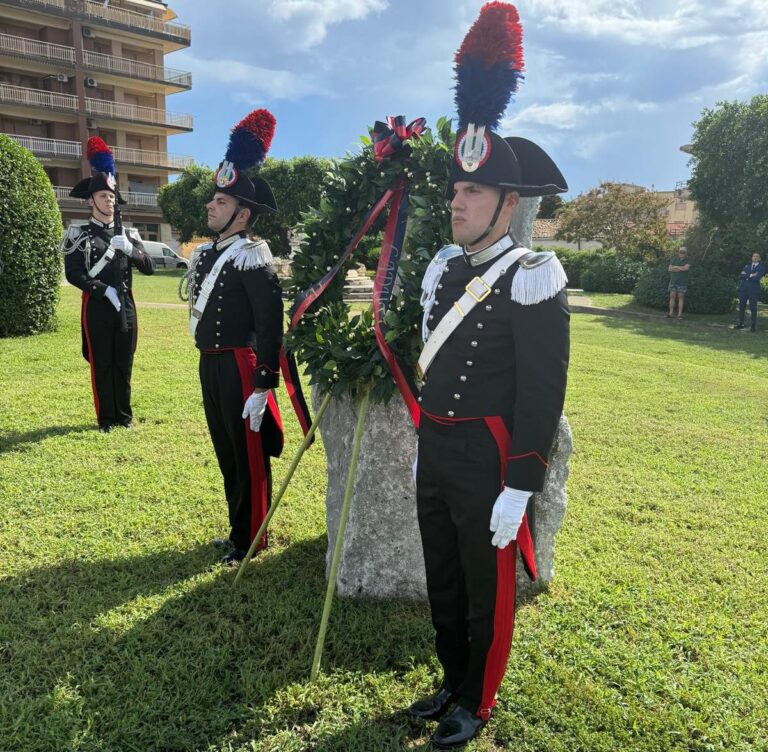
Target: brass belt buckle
(478, 289)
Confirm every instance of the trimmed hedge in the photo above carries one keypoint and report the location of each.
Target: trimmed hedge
(607, 273)
(708, 290)
(30, 234)
(574, 262)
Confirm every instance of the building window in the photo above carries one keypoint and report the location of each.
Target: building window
(148, 230)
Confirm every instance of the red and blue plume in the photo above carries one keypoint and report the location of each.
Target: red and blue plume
(100, 156)
(251, 139)
(489, 66)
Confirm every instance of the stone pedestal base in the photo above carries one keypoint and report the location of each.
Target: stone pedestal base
(382, 556)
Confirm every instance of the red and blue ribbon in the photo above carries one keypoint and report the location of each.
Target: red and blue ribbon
(389, 139)
(389, 142)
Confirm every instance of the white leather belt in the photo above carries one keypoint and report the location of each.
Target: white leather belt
(475, 292)
(109, 254)
(210, 282)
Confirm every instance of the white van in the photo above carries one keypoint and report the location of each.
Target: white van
(164, 256)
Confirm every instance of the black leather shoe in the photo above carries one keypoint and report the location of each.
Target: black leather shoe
(457, 728)
(105, 427)
(222, 543)
(126, 424)
(432, 708)
(739, 326)
(235, 556)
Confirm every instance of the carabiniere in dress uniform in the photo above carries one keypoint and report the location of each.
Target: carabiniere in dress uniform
(99, 259)
(493, 372)
(236, 319)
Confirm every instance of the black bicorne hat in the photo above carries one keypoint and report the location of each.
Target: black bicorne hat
(489, 67)
(99, 181)
(248, 146)
(513, 163)
(103, 178)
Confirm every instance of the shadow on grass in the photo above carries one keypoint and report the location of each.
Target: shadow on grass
(392, 732)
(724, 339)
(160, 652)
(20, 439)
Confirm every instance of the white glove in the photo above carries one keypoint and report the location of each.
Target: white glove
(507, 515)
(122, 243)
(254, 409)
(111, 296)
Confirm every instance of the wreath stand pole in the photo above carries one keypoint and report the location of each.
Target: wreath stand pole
(291, 470)
(335, 562)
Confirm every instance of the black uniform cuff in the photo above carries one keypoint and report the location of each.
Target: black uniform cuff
(526, 472)
(265, 377)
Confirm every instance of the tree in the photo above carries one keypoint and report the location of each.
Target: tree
(183, 202)
(30, 236)
(549, 206)
(729, 174)
(297, 184)
(626, 219)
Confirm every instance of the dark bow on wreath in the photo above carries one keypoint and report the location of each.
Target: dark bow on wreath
(389, 138)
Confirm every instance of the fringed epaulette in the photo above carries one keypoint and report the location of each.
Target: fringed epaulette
(197, 251)
(431, 279)
(435, 270)
(540, 277)
(253, 255)
(75, 238)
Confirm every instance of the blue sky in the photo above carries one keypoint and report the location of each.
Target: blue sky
(611, 89)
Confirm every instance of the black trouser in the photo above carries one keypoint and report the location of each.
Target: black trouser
(458, 481)
(110, 353)
(752, 298)
(223, 401)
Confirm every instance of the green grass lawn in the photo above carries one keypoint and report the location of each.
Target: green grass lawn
(119, 633)
(627, 303)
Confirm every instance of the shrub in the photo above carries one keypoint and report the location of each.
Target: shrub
(708, 290)
(30, 235)
(608, 273)
(574, 262)
(764, 289)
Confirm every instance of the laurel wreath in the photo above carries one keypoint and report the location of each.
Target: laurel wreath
(338, 347)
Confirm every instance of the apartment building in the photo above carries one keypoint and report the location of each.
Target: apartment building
(71, 69)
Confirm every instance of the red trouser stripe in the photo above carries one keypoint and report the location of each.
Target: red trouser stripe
(506, 561)
(246, 363)
(503, 627)
(84, 322)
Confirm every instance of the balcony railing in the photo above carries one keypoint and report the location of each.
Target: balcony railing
(58, 149)
(122, 66)
(58, 4)
(137, 113)
(138, 200)
(35, 50)
(37, 98)
(49, 147)
(150, 158)
(132, 19)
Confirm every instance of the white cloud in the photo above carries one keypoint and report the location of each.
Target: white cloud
(308, 20)
(653, 23)
(569, 115)
(250, 84)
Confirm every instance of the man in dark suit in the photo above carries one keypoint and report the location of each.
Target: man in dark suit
(749, 290)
